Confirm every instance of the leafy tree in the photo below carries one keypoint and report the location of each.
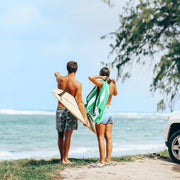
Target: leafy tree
(150, 27)
(107, 2)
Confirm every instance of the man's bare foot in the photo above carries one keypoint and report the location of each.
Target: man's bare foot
(68, 161)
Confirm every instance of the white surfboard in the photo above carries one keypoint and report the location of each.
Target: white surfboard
(70, 103)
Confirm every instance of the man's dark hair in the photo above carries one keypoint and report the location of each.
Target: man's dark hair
(104, 72)
(72, 66)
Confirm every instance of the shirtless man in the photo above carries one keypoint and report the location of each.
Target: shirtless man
(65, 121)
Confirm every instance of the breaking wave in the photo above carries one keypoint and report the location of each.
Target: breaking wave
(19, 112)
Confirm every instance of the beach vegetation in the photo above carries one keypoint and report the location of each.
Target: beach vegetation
(149, 34)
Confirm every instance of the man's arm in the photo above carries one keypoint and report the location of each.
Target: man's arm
(56, 74)
(58, 79)
(81, 103)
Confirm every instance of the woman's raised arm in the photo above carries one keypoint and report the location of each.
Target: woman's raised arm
(96, 81)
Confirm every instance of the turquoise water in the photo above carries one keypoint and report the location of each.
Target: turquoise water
(33, 135)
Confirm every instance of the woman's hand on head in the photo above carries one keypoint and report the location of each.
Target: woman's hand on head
(104, 78)
(113, 81)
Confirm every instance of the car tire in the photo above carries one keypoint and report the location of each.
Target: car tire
(174, 147)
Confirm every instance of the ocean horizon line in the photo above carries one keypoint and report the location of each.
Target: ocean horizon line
(51, 112)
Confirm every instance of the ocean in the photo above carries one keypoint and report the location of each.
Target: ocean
(32, 134)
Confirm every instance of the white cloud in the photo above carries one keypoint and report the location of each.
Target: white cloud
(21, 14)
(22, 18)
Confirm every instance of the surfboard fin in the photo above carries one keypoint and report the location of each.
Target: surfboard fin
(60, 94)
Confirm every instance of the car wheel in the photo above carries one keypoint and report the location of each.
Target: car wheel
(174, 147)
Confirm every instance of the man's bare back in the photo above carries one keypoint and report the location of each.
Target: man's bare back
(67, 82)
(74, 88)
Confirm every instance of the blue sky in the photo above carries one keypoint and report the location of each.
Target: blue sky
(38, 38)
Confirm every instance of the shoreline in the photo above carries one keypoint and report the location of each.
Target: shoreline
(52, 169)
(76, 157)
(46, 155)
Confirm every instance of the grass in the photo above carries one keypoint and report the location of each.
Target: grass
(29, 169)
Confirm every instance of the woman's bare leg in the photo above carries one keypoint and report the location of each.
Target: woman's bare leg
(109, 144)
(100, 129)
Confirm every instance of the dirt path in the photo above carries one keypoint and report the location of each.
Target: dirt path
(147, 169)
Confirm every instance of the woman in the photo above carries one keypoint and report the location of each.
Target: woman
(104, 127)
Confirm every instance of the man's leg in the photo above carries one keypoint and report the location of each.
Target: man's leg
(60, 131)
(61, 145)
(100, 129)
(70, 125)
(67, 142)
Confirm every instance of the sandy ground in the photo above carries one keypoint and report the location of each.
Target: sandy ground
(146, 169)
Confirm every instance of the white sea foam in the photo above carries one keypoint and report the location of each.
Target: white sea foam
(85, 152)
(142, 115)
(118, 150)
(138, 148)
(4, 155)
(18, 112)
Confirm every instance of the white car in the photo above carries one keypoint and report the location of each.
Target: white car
(172, 136)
